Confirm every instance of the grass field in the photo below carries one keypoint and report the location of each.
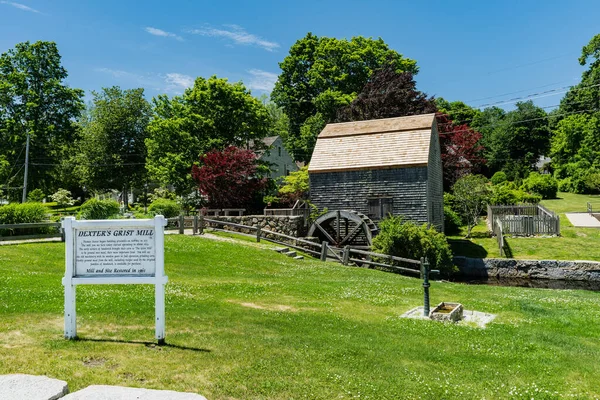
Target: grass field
(573, 244)
(244, 322)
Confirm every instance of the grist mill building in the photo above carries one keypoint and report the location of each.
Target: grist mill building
(380, 167)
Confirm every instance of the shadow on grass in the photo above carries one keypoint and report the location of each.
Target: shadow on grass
(508, 253)
(466, 248)
(145, 343)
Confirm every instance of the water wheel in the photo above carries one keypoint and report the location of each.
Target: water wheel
(342, 228)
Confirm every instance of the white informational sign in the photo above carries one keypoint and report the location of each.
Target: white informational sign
(114, 252)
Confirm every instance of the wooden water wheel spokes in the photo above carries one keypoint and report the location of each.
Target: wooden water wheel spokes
(340, 228)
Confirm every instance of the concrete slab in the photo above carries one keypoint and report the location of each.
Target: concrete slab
(31, 387)
(583, 220)
(470, 317)
(104, 392)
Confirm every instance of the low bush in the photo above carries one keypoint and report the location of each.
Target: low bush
(545, 185)
(507, 193)
(402, 238)
(99, 209)
(498, 178)
(36, 196)
(165, 207)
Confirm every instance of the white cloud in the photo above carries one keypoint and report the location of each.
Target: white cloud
(238, 35)
(170, 83)
(160, 32)
(20, 6)
(178, 81)
(261, 80)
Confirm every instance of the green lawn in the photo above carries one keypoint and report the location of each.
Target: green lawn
(244, 322)
(573, 244)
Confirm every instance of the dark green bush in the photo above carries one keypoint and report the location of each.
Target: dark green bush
(498, 178)
(36, 196)
(165, 207)
(402, 238)
(452, 221)
(99, 209)
(507, 193)
(544, 185)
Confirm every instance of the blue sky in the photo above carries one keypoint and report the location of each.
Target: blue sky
(480, 52)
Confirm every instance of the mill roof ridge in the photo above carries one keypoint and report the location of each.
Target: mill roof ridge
(396, 124)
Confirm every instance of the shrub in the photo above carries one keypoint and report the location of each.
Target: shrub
(402, 238)
(17, 213)
(499, 177)
(507, 193)
(452, 221)
(165, 207)
(99, 209)
(36, 196)
(544, 185)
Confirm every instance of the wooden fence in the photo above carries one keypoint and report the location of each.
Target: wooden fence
(198, 223)
(26, 231)
(524, 220)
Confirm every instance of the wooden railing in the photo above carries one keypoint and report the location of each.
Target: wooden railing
(30, 226)
(525, 219)
(324, 251)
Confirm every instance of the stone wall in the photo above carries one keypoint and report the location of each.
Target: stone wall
(288, 225)
(530, 269)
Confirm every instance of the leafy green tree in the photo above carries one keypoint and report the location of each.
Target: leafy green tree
(515, 142)
(112, 152)
(459, 112)
(320, 74)
(295, 186)
(213, 114)
(35, 101)
(471, 195)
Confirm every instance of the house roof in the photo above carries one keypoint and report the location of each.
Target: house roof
(374, 144)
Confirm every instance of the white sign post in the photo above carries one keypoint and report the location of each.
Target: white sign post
(114, 252)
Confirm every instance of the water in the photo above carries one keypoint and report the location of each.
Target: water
(535, 283)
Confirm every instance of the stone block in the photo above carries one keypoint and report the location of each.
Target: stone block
(31, 387)
(103, 392)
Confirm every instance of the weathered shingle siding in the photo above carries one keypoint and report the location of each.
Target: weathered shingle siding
(350, 190)
(435, 190)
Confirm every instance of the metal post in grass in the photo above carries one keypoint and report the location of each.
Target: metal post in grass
(181, 224)
(195, 228)
(425, 275)
(324, 251)
(258, 232)
(201, 224)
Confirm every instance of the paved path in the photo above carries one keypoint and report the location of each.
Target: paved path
(583, 220)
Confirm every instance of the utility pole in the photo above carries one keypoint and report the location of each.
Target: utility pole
(26, 170)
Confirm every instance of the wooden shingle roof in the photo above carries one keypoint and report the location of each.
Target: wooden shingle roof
(374, 144)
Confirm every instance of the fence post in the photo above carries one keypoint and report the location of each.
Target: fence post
(258, 233)
(346, 255)
(195, 228)
(181, 222)
(324, 251)
(201, 224)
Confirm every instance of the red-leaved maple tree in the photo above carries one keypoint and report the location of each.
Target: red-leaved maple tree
(228, 177)
(462, 152)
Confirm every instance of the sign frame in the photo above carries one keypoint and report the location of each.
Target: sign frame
(70, 281)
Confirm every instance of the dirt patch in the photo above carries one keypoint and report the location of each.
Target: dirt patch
(92, 362)
(267, 307)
